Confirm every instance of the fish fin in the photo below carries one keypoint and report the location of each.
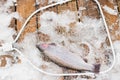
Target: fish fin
(97, 68)
(53, 44)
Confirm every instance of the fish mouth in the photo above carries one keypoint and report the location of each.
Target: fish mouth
(42, 46)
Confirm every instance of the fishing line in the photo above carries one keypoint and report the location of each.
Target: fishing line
(109, 37)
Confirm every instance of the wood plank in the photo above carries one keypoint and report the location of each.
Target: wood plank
(4, 58)
(91, 8)
(109, 18)
(25, 8)
(118, 3)
(112, 20)
(14, 21)
(68, 6)
(83, 12)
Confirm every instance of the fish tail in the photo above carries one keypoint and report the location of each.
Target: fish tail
(97, 68)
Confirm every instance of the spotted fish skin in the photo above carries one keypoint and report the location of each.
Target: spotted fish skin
(65, 58)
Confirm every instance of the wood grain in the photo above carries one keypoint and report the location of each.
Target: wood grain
(112, 20)
(68, 6)
(25, 8)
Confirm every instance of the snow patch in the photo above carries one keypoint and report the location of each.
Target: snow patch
(51, 1)
(50, 21)
(22, 71)
(110, 10)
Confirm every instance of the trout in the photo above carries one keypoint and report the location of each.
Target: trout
(65, 58)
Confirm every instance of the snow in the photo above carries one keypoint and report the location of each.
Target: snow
(115, 72)
(24, 71)
(40, 2)
(51, 1)
(5, 20)
(53, 20)
(89, 32)
(110, 10)
(6, 33)
(82, 8)
(21, 71)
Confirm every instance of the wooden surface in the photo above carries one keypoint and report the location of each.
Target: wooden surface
(26, 7)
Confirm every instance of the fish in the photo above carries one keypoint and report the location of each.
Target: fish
(62, 56)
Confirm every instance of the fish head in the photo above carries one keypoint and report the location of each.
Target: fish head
(42, 46)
